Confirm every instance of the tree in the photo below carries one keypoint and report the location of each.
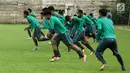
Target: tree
(123, 18)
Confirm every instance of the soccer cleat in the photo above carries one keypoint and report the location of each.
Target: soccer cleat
(29, 38)
(36, 48)
(54, 59)
(103, 67)
(123, 68)
(84, 59)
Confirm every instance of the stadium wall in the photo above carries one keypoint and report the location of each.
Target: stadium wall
(11, 11)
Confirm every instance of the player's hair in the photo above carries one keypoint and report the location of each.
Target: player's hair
(26, 12)
(108, 11)
(80, 11)
(47, 12)
(85, 14)
(42, 13)
(91, 14)
(44, 9)
(67, 18)
(75, 15)
(103, 12)
(30, 10)
(61, 12)
(51, 8)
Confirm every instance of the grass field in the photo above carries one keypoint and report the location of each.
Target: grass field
(17, 56)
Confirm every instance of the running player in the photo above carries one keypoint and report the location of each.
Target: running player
(106, 30)
(34, 24)
(29, 30)
(88, 23)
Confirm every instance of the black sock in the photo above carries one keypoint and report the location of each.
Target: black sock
(94, 37)
(79, 45)
(42, 33)
(35, 41)
(89, 47)
(44, 39)
(56, 53)
(100, 58)
(120, 60)
(29, 33)
(80, 54)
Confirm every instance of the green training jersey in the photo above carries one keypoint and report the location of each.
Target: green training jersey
(78, 24)
(54, 24)
(93, 19)
(105, 28)
(87, 21)
(61, 18)
(32, 14)
(69, 25)
(33, 22)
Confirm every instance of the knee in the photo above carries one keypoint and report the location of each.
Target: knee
(33, 37)
(53, 42)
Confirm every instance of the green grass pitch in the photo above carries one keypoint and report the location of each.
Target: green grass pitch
(17, 56)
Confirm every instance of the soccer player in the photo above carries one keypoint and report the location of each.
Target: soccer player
(78, 31)
(106, 31)
(32, 14)
(29, 30)
(88, 23)
(52, 23)
(91, 16)
(34, 24)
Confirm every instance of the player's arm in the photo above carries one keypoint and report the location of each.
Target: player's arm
(31, 23)
(76, 19)
(99, 30)
(88, 21)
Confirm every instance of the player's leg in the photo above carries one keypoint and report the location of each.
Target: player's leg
(68, 42)
(42, 34)
(54, 41)
(103, 45)
(86, 43)
(29, 33)
(35, 40)
(51, 34)
(79, 45)
(76, 40)
(38, 34)
(93, 32)
(114, 49)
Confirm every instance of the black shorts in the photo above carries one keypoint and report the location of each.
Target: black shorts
(65, 38)
(107, 43)
(37, 32)
(90, 30)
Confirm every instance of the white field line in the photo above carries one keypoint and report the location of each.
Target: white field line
(122, 28)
